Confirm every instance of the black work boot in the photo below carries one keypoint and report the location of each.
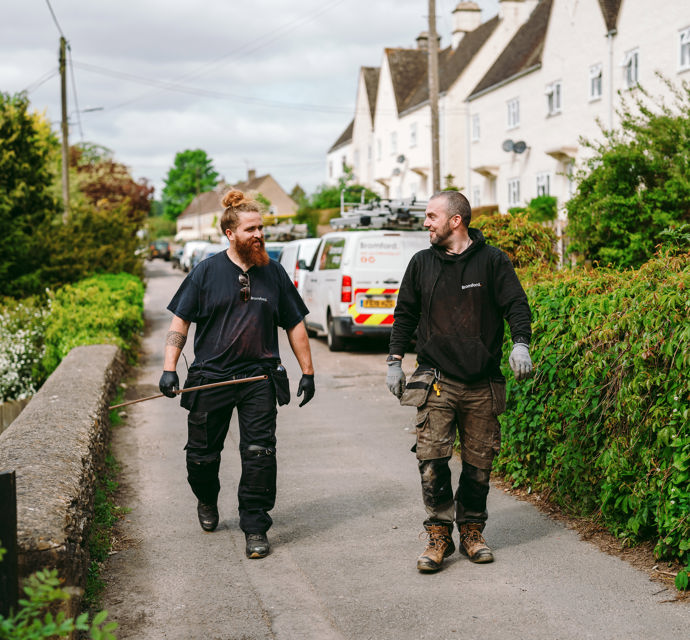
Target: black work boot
(257, 545)
(439, 546)
(208, 515)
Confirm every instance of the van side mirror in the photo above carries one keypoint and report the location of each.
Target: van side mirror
(301, 264)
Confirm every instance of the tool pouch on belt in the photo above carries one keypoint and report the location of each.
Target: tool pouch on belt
(418, 387)
(281, 383)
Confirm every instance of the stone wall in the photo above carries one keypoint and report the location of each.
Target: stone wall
(57, 446)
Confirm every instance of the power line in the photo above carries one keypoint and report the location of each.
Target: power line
(42, 80)
(74, 91)
(55, 20)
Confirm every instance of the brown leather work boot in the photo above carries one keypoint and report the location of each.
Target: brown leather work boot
(473, 545)
(439, 545)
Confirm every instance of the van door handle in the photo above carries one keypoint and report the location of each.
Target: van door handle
(390, 281)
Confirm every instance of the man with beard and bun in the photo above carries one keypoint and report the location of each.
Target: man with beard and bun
(455, 295)
(238, 298)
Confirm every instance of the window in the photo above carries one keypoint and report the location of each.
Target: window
(476, 196)
(543, 184)
(595, 86)
(630, 66)
(553, 98)
(413, 134)
(685, 49)
(514, 192)
(513, 113)
(475, 127)
(394, 143)
(378, 148)
(332, 254)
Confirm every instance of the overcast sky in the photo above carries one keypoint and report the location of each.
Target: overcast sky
(266, 84)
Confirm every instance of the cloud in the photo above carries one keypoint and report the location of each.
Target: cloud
(267, 85)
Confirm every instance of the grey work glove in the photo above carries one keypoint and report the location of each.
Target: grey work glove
(169, 383)
(306, 385)
(520, 362)
(395, 380)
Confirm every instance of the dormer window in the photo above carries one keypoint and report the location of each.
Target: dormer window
(630, 66)
(553, 98)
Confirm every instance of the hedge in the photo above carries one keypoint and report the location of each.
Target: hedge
(603, 425)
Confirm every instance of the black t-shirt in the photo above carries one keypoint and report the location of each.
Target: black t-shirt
(232, 335)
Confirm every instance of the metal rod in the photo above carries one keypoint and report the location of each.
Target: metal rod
(199, 388)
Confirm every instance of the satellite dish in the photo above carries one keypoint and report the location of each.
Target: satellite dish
(507, 145)
(401, 158)
(519, 147)
(396, 171)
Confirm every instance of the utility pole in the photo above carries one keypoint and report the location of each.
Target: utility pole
(433, 98)
(65, 129)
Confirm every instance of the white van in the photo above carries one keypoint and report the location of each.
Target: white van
(352, 285)
(296, 257)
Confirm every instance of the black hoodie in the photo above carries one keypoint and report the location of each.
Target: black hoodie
(457, 304)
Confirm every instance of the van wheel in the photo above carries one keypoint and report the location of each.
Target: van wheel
(335, 343)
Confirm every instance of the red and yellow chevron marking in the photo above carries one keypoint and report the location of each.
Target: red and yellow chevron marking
(382, 318)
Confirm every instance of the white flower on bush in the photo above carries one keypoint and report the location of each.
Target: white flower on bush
(21, 349)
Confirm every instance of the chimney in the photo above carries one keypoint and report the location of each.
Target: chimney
(516, 11)
(467, 16)
(251, 174)
(423, 41)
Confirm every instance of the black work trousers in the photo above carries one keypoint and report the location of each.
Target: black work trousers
(206, 433)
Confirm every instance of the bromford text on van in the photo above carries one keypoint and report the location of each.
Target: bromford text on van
(352, 285)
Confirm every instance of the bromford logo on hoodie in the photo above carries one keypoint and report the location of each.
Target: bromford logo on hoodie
(472, 284)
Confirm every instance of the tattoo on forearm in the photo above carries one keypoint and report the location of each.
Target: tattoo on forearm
(176, 339)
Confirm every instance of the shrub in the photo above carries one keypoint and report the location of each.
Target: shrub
(527, 243)
(542, 208)
(22, 327)
(101, 309)
(604, 425)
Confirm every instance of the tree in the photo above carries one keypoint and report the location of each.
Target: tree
(636, 184)
(26, 204)
(191, 174)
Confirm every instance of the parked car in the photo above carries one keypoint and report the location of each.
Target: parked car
(352, 286)
(175, 258)
(274, 248)
(188, 250)
(159, 249)
(210, 250)
(296, 257)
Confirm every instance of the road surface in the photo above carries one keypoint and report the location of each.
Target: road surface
(345, 537)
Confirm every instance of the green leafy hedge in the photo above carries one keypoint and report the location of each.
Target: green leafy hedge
(107, 308)
(603, 426)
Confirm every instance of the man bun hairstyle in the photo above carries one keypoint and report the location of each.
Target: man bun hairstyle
(456, 205)
(235, 202)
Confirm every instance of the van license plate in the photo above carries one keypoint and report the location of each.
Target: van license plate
(378, 304)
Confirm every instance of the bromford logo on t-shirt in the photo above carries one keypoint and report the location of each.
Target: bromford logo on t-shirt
(258, 299)
(472, 284)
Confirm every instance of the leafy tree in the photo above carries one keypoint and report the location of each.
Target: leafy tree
(191, 174)
(109, 184)
(299, 195)
(542, 208)
(636, 184)
(26, 204)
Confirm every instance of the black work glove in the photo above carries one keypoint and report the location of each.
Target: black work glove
(306, 384)
(169, 383)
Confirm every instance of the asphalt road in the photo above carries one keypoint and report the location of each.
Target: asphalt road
(345, 537)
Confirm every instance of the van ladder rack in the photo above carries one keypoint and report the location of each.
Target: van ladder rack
(382, 214)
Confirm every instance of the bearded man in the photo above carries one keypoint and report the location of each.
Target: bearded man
(238, 298)
(455, 296)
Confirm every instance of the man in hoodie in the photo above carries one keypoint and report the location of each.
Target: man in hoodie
(455, 295)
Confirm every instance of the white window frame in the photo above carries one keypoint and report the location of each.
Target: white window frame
(513, 113)
(631, 68)
(413, 134)
(475, 128)
(394, 142)
(514, 192)
(476, 196)
(543, 184)
(554, 97)
(596, 84)
(684, 49)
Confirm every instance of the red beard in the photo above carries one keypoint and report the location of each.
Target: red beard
(252, 252)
